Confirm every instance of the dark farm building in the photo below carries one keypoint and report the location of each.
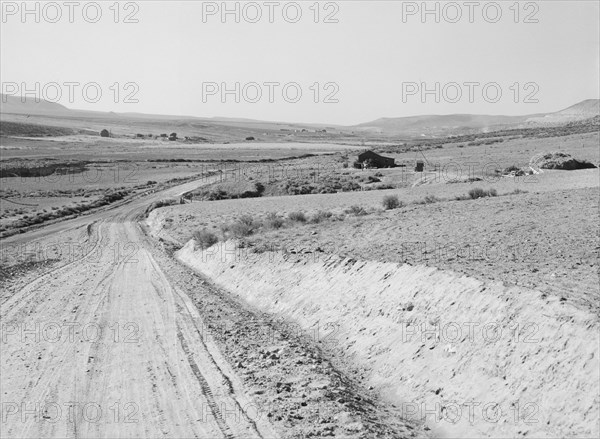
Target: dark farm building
(369, 159)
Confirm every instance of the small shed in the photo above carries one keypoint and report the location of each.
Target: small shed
(419, 166)
(374, 160)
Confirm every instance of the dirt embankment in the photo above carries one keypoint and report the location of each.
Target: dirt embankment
(291, 383)
(473, 358)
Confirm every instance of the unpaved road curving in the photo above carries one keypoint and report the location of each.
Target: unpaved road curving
(105, 347)
(120, 340)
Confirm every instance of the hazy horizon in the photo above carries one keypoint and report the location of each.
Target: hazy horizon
(218, 117)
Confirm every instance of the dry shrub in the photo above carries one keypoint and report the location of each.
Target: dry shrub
(273, 221)
(356, 210)
(391, 202)
(429, 199)
(205, 238)
(298, 217)
(320, 216)
(477, 192)
(240, 228)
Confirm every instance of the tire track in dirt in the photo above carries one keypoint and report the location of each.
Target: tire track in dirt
(205, 387)
(226, 379)
(55, 270)
(158, 373)
(66, 349)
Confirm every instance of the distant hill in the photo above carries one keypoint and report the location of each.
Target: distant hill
(583, 110)
(438, 124)
(442, 125)
(589, 107)
(17, 105)
(430, 126)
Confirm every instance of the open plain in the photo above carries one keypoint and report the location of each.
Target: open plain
(173, 289)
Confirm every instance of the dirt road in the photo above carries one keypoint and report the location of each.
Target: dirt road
(104, 346)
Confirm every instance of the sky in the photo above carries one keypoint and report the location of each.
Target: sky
(342, 62)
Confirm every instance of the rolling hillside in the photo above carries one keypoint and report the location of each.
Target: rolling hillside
(413, 126)
(583, 110)
(19, 105)
(440, 125)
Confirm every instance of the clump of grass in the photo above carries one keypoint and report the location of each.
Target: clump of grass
(297, 217)
(205, 238)
(356, 210)
(429, 199)
(247, 220)
(391, 202)
(477, 192)
(462, 197)
(240, 228)
(273, 221)
(320, 216)
(518, 191)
